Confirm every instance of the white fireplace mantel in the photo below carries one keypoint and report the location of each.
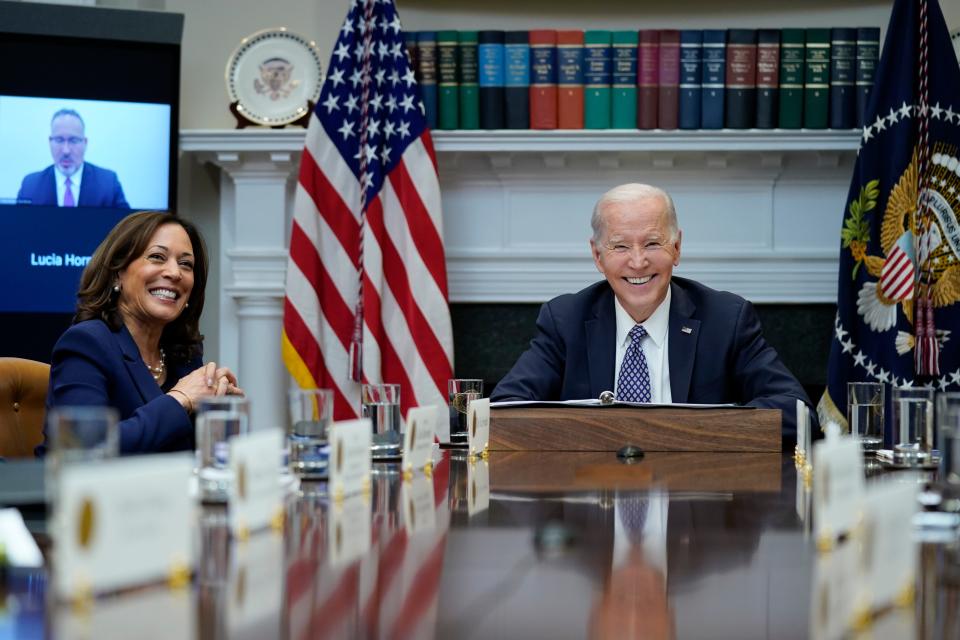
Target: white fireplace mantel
(760, 213)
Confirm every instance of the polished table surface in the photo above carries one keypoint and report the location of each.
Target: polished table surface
(522, 545)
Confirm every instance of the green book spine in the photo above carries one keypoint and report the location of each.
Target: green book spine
(447, 80)
(597, 79)
(623, 104)
(469, 88)
(816, 79)
(791, 78)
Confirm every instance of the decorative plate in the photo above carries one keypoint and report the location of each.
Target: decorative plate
(272, 74)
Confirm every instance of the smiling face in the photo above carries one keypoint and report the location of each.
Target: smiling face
(156, 285)
(67, 143)
(636, 252)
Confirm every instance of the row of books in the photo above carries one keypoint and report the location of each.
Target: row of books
(647, 79)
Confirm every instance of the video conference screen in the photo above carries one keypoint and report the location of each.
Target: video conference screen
(47, 239)
(89, 105)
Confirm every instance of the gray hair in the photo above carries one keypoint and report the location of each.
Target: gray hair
(633, 192)
(68, 112)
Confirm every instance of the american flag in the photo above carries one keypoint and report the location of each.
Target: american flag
(367, 229)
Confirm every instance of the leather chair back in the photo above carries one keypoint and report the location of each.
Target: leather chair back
(23, 392)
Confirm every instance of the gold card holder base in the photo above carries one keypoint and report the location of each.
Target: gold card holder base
(243, 121)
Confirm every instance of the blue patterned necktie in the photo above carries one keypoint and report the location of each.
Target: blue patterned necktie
(634, 382)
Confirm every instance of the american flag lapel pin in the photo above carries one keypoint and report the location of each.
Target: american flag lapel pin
(686, 330)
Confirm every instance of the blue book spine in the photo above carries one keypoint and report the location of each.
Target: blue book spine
(843, 61)
(517, 80)
(868, 55)
(427, 53)
(691, 77)
(490, 55)
(714, 74)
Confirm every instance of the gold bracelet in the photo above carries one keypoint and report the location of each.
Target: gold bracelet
(188, 399)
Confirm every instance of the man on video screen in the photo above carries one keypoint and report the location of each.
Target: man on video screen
(69, 181)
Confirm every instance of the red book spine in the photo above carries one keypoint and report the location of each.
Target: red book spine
(569, 90)
(648, 81)
(543, 79)
(669, 103)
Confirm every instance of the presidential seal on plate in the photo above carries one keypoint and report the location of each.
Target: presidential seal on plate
(273, 78)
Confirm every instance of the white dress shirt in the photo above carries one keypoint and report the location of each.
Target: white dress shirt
(62, 185)
(654, 346)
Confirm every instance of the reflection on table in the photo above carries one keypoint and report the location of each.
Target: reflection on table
(520, 545)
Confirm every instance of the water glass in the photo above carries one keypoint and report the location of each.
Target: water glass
(865, 402)
(460, 391)
(310, 414)
(948, 436)
(219, 419)
(913, 433)
(381, 403)
(82, 434)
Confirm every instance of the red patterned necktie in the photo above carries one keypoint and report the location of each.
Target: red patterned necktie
(68, 196)
(633, 384)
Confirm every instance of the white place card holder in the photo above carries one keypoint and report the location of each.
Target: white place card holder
(888, 552)
(256, 496)
(117, 618)
(478, 486)
(478, 426)
(348, 529)
(418, 436)
(121, 523)
(836, 585)
(419, 511)
(837, 488)
(349, 465)
(255, 586)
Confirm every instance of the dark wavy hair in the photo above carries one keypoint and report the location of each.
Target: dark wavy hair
(96, 300)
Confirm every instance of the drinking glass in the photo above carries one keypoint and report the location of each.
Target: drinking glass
(913, 424)
(310, 413)
(78, 435)
(381, 403)
(865, 401)
(219, 419)
(948, 436)
(459, 392)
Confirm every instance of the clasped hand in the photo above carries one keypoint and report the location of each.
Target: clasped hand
(206, 381)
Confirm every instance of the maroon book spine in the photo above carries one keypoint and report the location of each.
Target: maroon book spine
(669, 98)
(648, 81)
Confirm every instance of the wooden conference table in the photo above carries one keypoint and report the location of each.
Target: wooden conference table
(562, 545)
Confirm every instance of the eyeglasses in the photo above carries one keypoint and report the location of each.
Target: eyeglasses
(72, 140)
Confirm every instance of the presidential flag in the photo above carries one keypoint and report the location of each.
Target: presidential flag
(899, 282)
(366, 297)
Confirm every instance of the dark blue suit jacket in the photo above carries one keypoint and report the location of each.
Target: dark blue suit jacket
(99, 188)
(93, 365)
(723, 358)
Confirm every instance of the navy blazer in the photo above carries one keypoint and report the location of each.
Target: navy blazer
(98, 188)
(716, 352)
(93, 365)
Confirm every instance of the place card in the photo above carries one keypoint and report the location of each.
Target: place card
(255, 496)
(888, 553)
(837, 488)
(836, 587)
(349, 457)
(478, 486)
(348, 529)
(478, 426)
(419, 510)
(803, 433)
(123, 522)
(418, 436)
